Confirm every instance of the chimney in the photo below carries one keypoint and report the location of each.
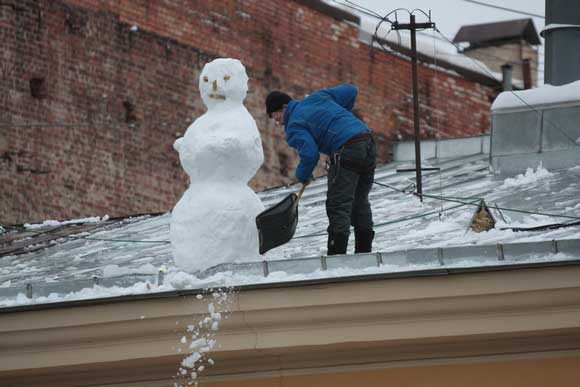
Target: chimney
(527, 73)
(562, 34)
(506, 72)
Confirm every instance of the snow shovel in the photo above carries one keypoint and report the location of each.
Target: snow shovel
(277, 224)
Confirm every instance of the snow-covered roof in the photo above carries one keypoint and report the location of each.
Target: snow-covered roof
(432, 48)
(114, 257)
(543, 95)
(443, 55)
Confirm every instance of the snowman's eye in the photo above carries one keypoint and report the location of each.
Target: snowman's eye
(227, 78)
(205, 79)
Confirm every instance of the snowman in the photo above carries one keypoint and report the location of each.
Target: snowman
(214, 221)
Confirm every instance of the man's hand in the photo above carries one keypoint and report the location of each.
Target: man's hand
(304, 182)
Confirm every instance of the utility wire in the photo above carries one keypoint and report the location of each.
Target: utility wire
(504, 8)
(544, 227)
(471, 201)
(461, 202)
(491, 56)
(394, 221)
(407, 190)
(368, 12)
(347, 3)
(353, 5)
(448, 199)
(360, 8)
(115, 240)
(77, 237)
(437, 122)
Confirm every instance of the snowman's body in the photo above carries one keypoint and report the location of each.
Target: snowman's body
(214, 221)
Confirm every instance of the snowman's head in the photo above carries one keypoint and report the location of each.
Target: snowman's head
(222, 80)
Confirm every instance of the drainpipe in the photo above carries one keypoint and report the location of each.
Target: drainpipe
(506, 71)
(562, 34)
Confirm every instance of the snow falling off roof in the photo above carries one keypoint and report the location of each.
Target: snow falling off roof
(124, 256)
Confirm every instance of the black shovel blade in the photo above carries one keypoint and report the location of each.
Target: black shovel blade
(277, 224)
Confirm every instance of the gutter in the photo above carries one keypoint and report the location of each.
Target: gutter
(292, 284)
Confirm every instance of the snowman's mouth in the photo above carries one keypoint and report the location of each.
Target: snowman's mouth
(217, 96)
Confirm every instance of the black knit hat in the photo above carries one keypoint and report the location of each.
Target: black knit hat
(276, 101)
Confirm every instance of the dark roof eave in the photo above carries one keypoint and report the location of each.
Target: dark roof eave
(313, 282)
(499, 31)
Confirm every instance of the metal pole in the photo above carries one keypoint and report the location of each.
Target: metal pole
(416, 108)
(561, 54)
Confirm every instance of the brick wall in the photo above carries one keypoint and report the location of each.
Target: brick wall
(96, 92)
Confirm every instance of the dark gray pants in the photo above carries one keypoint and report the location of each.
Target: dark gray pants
(350, 179)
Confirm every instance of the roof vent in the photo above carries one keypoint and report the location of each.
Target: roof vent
(536, 126)
(540, 126)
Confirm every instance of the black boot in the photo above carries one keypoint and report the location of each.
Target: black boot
(363, 241)
(337, 244)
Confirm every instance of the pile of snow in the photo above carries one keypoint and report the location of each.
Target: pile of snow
(543, 95)
(530, 177)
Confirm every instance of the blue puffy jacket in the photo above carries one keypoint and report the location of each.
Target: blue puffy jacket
(321, 122)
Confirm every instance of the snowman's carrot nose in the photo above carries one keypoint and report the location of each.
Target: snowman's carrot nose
(214, 85)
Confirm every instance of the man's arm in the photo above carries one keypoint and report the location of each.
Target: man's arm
(344, 95)
(300, 139)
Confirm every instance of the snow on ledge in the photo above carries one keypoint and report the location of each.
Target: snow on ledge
(180, 280)
(54, 223)
(556, 26)
(543, 95)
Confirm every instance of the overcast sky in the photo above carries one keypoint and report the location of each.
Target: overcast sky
(450, 15)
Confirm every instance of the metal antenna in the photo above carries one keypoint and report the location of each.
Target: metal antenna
(413, 27)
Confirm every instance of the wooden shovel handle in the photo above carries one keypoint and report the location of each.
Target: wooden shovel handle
(301, 191)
